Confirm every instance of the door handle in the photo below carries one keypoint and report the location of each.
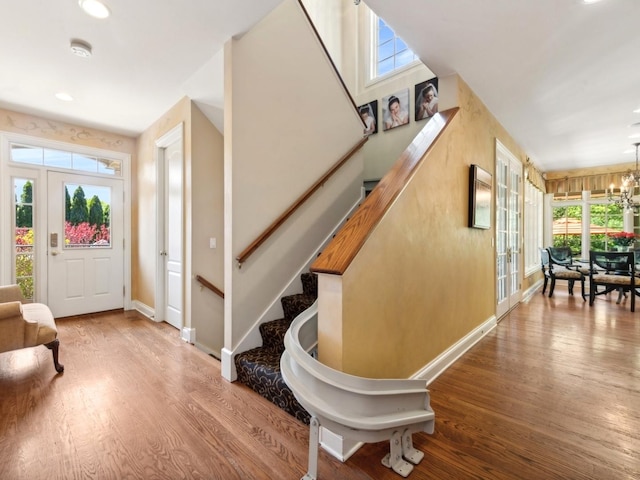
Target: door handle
(55, 252)
(163, 252)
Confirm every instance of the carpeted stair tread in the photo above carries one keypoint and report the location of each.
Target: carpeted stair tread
(294, 305)
(310, 284)
(259, 368)
(273, 334)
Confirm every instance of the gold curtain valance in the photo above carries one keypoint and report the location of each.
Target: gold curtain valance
(535, 177)
(590, 183)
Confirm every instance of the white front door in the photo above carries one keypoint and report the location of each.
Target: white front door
(85, 244)
(508, 228)
(170, 228)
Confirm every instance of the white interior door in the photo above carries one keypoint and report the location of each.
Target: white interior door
(85, 251)
(508, 230)
(170, 297)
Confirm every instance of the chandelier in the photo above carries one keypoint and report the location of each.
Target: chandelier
(630, 182)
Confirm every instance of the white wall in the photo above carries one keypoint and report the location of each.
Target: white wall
(349, 47)
(287, 121)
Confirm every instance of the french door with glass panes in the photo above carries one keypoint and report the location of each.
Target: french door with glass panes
(509, 190)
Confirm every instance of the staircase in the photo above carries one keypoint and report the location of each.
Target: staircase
(259, 368)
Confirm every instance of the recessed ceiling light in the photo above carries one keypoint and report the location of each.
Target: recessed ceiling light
(95, 8)
(80, 48)
(590, 1)
(637, 110)
(65, 97)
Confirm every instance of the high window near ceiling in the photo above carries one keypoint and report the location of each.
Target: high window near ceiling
(389, 53)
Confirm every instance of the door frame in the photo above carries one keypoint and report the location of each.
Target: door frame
(173, 135)
(513, 297)
(7, 170)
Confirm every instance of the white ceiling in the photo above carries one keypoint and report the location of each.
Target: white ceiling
(146, 56)
(559, 75)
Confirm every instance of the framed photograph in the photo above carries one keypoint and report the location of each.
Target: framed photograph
(369, 114)
(395, 109)
(480, 199)
(426, 95)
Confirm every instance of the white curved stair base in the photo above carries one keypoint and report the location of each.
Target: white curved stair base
(364, 409)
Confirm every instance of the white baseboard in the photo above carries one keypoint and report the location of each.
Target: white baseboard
(145, 310)
(188, 335)
(433, 369)
(528, 293)
(227, 365)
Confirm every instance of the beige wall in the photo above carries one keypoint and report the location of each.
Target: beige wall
(143, 265)
(287, 121)
(424, 279)
(202, 213)
(207, 192)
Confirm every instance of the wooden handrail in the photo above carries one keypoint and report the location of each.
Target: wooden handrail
(206, 283)
(297, 204)
(342, 249)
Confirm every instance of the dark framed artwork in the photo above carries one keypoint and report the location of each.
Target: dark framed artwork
(480, 198)
(369, 114)
(395, 109)
(426, 95)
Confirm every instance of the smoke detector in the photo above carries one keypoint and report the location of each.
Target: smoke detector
(80, 48)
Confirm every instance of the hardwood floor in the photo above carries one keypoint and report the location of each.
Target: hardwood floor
(552, 393)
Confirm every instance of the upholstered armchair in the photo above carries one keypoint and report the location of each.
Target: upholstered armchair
(24, 325)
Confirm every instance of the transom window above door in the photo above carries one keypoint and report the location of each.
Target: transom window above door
(27, 154)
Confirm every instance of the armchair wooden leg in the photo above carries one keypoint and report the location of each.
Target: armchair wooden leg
(552, 286)
(54, 347)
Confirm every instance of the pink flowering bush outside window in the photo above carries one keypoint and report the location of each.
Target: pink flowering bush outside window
(86, 235)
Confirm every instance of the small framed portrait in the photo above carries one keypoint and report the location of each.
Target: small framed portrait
(426, 95)
(369, 115)
(395, 109)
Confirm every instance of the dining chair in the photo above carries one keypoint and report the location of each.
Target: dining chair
(562, 267)
(613, 271)
(544, 264)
